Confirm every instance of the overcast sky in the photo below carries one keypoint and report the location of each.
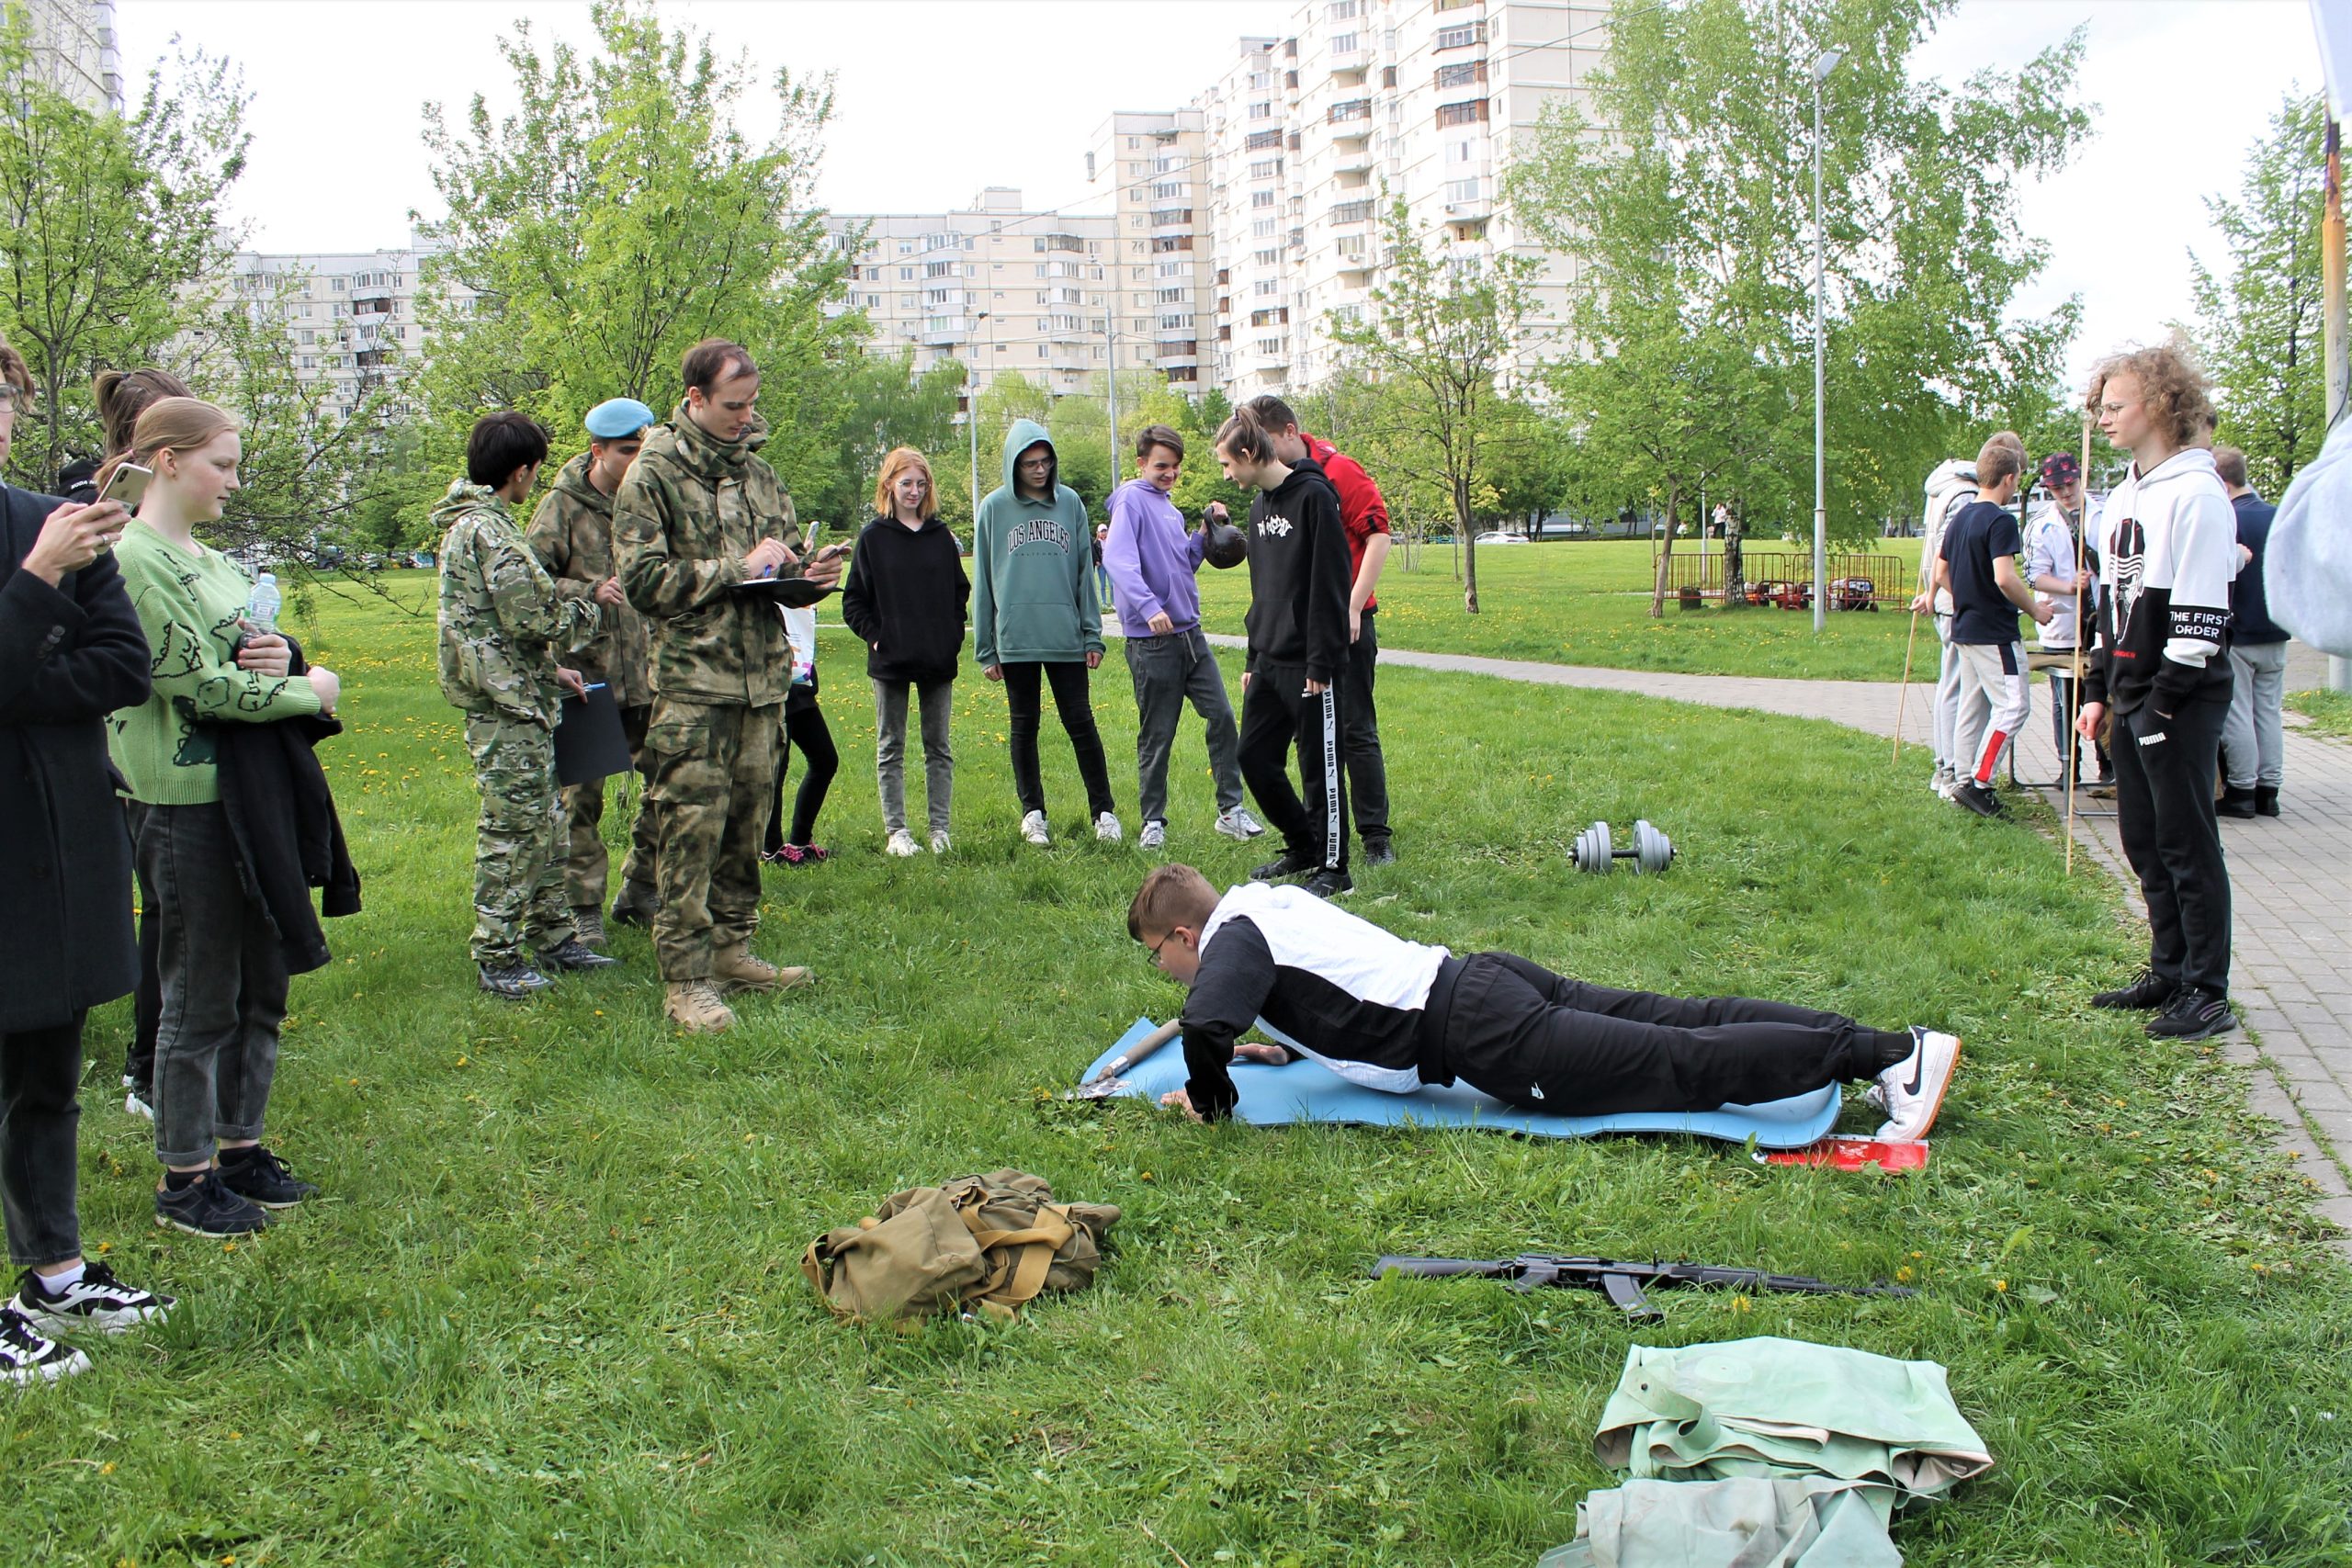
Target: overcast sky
(939, 97)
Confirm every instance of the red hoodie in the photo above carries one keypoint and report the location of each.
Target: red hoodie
(1362, 513)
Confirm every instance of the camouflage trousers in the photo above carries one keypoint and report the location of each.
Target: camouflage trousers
(519, 909)
(710, 769)
(587, 865)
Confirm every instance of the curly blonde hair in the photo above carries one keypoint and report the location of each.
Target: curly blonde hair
(2171, 385)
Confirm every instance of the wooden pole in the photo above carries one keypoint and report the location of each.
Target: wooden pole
(1904, 690)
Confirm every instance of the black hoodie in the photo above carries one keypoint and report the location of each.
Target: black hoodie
(1298, 575)
(905, 599)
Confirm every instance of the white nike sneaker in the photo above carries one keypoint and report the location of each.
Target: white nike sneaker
(939, 842)
(1107, 828)
(1034, 828)
(902, 844)
(1913, 1090)
(1153, 837)
(1238, 824)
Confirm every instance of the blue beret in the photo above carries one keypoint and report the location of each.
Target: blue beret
(620, 417)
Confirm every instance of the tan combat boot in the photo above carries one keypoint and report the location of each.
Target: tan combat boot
(694, 1006)
(741, 969)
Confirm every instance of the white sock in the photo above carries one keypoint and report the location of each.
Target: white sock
(64, 1280)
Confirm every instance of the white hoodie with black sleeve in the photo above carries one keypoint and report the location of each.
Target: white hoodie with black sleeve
(2163, 622)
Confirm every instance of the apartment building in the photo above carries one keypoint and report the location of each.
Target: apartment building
(352, 317)
(75, 48)
(1150, 170)
(1313, 134)
(995, 285)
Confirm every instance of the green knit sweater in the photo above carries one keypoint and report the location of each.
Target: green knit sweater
(189, 605)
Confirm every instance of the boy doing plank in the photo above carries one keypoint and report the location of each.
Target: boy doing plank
(1392, 1015)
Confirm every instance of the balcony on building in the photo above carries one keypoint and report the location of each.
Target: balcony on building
(1171, 218)
(939, 331)
(1351, 212)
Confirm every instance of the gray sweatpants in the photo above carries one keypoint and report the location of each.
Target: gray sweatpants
(1947, 709)
(936, 701)
(2253, 742)
(1169, 671)
(1995, 703)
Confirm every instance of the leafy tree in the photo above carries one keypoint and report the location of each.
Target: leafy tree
(885, 403)
(619, 216)
(1685, 199)
(114, 223)
(2260, 325)
(1443, 323)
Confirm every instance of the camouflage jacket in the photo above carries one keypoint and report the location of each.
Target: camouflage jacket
(572, 536)
(688, 512)
(503, 628)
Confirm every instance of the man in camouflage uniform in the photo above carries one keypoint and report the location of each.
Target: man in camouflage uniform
(502, 629)
(572, 536)
(696, 517)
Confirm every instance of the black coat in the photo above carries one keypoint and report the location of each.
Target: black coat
(69, 656)
(906, 598)
(275, 797)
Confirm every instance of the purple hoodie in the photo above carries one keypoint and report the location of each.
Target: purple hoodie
(1151, 559)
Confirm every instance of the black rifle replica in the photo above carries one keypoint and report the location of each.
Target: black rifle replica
(1622, 1283)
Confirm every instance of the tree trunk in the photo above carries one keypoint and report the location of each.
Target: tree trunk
(1665, 551)
(1469, 549)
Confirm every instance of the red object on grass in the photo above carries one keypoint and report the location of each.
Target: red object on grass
(1849, 1151)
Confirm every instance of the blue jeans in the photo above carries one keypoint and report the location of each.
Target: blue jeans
(224, 978)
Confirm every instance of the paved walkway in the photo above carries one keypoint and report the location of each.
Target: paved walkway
(2291, 876)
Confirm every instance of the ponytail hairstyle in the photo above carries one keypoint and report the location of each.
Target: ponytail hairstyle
(169, 425)
(123, 395)
(899, 460)
(1244, 437)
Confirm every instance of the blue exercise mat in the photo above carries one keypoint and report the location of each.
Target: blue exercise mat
(1306, 1091)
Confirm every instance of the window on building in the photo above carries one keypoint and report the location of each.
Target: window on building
(1265, 287)
(1261, 140)
(1354, 108)
(1461, 190)
(906, 247)
(1266, 258)
(1266, 169)
(1260, 79)
(1340, 11)
(906, 275)
(1464, 75)
(1167, 297)
(1470, 113)
(1167, 190)
(1262, 198)
(1346, 43)
(1043, 351)
(1463, 37)
(1261, 111)
(1264, 229)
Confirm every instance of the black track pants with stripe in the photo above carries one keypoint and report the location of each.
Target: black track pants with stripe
(1277, 713)
(1533, 1038)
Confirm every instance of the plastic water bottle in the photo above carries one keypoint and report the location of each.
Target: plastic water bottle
(262, 607)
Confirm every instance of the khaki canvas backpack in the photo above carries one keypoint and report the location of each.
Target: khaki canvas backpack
(983, 1244)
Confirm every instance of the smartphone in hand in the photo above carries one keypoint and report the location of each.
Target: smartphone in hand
(128, 484)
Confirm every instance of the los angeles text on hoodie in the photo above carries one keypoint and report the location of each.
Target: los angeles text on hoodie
(1298, 575)
(1031, 562)
(2171, 552)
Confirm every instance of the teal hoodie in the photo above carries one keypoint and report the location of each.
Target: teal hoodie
(1030, 560)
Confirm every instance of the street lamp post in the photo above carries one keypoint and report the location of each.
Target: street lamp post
(972, 418)
(1821, 67)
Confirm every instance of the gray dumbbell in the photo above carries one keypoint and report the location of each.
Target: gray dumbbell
(1653, 852)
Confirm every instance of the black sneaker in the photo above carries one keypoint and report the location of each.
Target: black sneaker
(1379, 851)
(260, 1176)
(574, 953)
(2266, 800)
(206, 1207)
(26, 1356)
(1325, 883)
(512, 981)
(2195, 1012)
(2144, 990)
(1974, 796)
(1291, 864)
(2237, 802)
(97, 1301)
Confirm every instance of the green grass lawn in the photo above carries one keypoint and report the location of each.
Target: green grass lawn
(549, 1310)
(1587, 602)
(2330, 712)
